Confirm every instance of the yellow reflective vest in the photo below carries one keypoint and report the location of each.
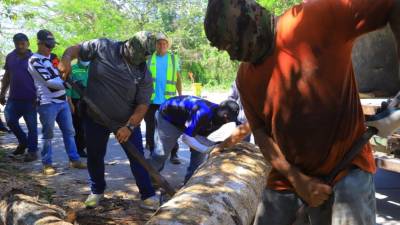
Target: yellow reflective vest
(170, 89)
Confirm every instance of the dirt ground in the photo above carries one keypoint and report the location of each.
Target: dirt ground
(117, 208)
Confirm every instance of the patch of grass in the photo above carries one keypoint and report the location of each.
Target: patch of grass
(46, 194)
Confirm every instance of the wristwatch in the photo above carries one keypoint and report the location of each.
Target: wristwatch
(130, 127)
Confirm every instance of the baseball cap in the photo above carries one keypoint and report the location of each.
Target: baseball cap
(20, 37)
(46, 37)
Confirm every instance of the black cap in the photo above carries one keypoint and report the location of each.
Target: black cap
(231, 108)
(46, 37)
(20, 37)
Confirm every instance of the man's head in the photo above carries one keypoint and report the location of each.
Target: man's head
(241, 27)
(226, 112)
(141, 45)
(21, 43)
(162, 44)
(46, 41)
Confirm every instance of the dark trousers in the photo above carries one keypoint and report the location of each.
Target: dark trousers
(27, 109)
(77, 120)
(96, 141)
(150, 128)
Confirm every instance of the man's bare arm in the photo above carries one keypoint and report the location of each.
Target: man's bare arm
(5, 83)
(179, 83)
(70, 54)
(311, 190)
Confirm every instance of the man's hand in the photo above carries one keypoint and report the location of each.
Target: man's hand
(311, 190)
(65, 67)
(72, 108)
(2, 99)
(123, 134)
(216, 150)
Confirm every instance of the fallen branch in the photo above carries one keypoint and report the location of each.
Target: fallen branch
(17, 208)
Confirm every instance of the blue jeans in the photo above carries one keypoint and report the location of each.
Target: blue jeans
(352, 203)
(15, 109)
(169, 135)
(60, 113)
(96, 141)
(196, 159)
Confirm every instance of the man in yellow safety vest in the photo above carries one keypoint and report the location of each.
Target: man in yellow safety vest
(164, 67)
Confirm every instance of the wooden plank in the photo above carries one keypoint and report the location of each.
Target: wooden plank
(387, 162)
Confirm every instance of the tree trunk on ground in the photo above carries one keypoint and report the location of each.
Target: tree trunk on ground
(19, 209)
(225, 190)
(375, 63)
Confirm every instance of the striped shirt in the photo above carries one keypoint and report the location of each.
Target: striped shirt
(49, 85)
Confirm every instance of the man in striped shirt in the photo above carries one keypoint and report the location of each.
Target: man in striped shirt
(53, 104)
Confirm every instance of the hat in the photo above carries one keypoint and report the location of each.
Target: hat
(231, 109)
(46, 37)
(145, 41)
(20, 37)
(161, 36)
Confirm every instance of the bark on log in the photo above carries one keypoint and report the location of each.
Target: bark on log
(17, 208)
(375, 63)
(225, 190)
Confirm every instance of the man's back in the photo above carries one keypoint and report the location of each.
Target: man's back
(190, 114)
(311, 106)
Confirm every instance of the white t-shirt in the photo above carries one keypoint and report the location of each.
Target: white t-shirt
(49, 85)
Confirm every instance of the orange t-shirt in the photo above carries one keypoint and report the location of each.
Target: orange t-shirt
(305, 95)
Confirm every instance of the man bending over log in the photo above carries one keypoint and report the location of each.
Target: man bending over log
(300, 97)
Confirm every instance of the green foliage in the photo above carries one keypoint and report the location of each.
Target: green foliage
(278, 6)
(73, 21)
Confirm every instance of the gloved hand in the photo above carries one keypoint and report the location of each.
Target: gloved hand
(386, 121)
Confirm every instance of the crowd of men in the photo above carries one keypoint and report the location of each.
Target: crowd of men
(295, 81)
(128, 81)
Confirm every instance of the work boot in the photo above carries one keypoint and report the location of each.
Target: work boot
(30, 157)
(93, 200)
(174, 159)
(82, 153)
(77, 164)
(20, 150)
(49, 170)
(152, 203)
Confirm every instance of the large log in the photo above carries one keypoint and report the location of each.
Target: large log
(225, 190)
(376, 64)
(17, 208)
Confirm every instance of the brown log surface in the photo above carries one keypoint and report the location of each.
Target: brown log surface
(16, 208)
(225, 190)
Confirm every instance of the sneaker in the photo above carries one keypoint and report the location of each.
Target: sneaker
(77, 164)
(20, 150)
(152, 203)
(93, 200)
(48, 170)
(30, 157)
(174, 159)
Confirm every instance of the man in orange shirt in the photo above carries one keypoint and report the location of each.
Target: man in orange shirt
(300, 97)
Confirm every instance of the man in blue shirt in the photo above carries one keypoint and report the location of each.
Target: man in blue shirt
(194, 118)
(22, 97)
(164, 67)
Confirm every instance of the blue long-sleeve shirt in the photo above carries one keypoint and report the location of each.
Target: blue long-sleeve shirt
(190, 114)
